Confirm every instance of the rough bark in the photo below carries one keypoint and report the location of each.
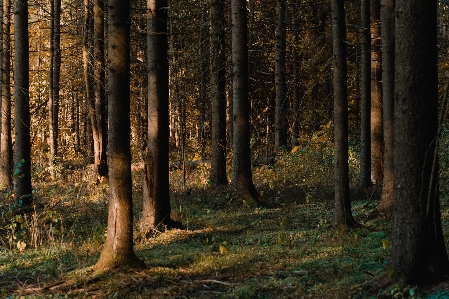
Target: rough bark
(342, 213)
(22, 148)
(118, 248)
(156, 198)
(376, 96)
(5, 140)
(242, 179)
(281, 123)
(365, 94)
(387, 29)
(418, 252)
(217, 174)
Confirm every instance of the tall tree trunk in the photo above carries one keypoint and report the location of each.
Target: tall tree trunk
(217, 174)
(55, 66)
(387, 28)
(376, 96)
(296, 81)
(280, 76)
(87, 62)
(100, 141)
(22, 148)
(156, 194)
(5, 141)
(342, 214)
(365, 94)
(418, 252)
(295, 100)
(204, 77)
(242, 178)
(118, 248)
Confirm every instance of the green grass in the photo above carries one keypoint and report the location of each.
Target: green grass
(228, 250)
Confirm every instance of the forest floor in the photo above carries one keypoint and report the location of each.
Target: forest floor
(228, 249)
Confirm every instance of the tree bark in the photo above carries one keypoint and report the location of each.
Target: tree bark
(118, 248)
(418, 252)
(387, 29)
(22, 148)
(5, 142)
(280, 76)
(376, 96)
(55, 67)
(156, 199)
(365, 94)
(342, 214)
(217, 174)
(100, 141)
(242, 179)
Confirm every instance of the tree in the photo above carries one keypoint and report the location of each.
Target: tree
(55, 67)
(376, 95)
(418, 252)
(365, 94)
(387, 29)
(242, 179)
(218, 94)
(342, 214)
(22, 148)
(5, 140)
(99, 125)
(280, 76)
(156, 193)
(118, 248)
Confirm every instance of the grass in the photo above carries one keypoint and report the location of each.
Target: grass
(227, 251)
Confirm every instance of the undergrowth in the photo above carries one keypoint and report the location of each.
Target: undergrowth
(289, 250)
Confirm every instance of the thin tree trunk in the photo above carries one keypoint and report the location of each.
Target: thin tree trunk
(22, 148)
(387, 28)
(342, 214)
(55, 66)
(99, 86)
(217, 174)
(365, 94)
(118, 249)
(376, 96)
(5, 142)
(280, 76)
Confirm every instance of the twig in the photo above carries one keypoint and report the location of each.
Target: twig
(219, 282)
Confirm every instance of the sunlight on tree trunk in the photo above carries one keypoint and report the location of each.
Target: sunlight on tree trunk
(118, 249)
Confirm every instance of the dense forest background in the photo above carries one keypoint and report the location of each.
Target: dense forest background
(285, 244)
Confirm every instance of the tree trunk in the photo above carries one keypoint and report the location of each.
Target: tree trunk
(242, 179)
(418, 252)
(87, 62)
(100, 141)
(22, 148)
(55, 66)
(118, 249)
(156, 194)
(342, 214)
(280, 76)
(376, 96)
(5, 142)
(365, 94)
(217, 174)
(387, 28)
